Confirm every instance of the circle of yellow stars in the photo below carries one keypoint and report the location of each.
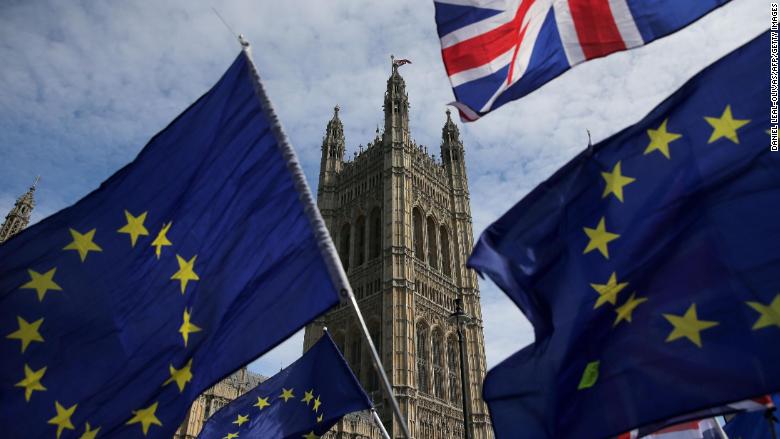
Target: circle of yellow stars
(30, 329)
(688, 325)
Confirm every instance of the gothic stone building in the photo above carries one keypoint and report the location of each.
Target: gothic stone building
(18, 217)
(401, 221)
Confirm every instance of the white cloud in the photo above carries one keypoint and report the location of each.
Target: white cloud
(85, 85)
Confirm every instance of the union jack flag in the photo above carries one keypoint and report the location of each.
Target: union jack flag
(496, 51)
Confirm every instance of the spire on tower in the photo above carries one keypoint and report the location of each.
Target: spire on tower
(396, 104)
(19, 217)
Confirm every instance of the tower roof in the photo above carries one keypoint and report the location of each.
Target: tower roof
(450, 131)
(27, 198)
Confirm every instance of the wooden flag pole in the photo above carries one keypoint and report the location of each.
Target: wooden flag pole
(324, 241)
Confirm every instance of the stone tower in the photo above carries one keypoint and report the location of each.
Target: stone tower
(401, 221)
(18, 218)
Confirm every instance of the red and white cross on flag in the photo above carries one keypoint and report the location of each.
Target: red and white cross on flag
(496, 51)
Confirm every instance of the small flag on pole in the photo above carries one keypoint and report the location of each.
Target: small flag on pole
(302, 401)
(203, 253)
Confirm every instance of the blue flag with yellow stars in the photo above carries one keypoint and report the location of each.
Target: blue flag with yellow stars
(302, 401)
(649, 267)
(191, 261)
(755, 425)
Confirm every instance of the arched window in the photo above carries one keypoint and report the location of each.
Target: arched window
(422, 357)
(376, 234)
(438, 363)
(344, 247)
(373, 379)
(355, 357)
(432, 250)
(453, 369)
(360, 241)
(444, 238)
(417, 233)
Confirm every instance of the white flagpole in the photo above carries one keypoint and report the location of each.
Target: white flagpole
(325, 243)
(379, 423)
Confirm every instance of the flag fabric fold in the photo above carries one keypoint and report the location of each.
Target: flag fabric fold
(755, 424)
(496, 51)
(189, 262)
(303, 400)
(648, 267)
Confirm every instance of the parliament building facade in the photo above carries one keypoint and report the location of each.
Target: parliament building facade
(401, 221)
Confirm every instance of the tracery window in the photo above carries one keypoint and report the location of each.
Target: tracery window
(453, 370)
(422, 357)
(417, 233)
(444, 237)
(432, 248)
(360, 241)
(438, 363)
(344, 247)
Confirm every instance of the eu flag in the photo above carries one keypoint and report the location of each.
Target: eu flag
(187, 263)
(302, 401)
(648, 266)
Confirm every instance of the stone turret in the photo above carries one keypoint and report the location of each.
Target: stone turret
(396, 108)
(332, 161)
(19, 217)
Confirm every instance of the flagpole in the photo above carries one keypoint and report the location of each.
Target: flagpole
(379, 424)
(324, 241)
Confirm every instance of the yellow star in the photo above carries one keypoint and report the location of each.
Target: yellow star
(286, 394)
(608, 292)
(688, 325)
(316, 404)
(145, 417)
(660, 140)
(89, 433)
(319, 418)
(725, 126)
(231, 436)
(308, 396)
(186, 327)
(27, 332)
(62, 419)
(615, 182)
(310, 435)
(31, 381)
(83, 243)
(262, 403)
(599, 238)
(180, 376)
(770, 314)
(42, 283)
(161, 240)
(186, 271)
(625, 311)
(134, 227)
(241, 419)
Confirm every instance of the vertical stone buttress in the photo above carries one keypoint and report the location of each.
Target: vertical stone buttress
(368, 204)
(18, 218)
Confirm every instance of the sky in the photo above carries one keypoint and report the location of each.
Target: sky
(85, 84)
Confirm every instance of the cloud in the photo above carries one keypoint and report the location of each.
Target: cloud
(84, 85)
